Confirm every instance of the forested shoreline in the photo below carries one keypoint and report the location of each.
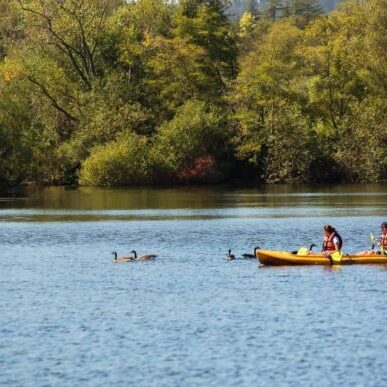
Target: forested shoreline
(109, 92)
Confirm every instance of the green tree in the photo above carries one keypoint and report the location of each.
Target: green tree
(362, 142)
(205, 24)
(303, 11)
(274, 9)
(246, 24)
(374, 67)
(11, 26)
(178, 72)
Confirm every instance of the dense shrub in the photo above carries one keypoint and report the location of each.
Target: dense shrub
(121, 162)
(188, 146)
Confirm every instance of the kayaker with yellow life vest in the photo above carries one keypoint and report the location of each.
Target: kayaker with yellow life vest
(332, 240)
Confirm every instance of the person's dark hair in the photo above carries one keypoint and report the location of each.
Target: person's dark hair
(329, 228)
(384, 225)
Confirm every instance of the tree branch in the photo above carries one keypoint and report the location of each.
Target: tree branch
(52, 99)
(70, 50)
(86, 55)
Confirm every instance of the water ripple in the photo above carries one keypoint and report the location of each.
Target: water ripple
(70, 316)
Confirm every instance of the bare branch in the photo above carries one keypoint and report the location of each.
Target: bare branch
(86, 56)
(52, 99)
(70, 50)
(103, 14)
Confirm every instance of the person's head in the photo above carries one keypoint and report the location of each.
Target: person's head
(383, 226)
(328, 230)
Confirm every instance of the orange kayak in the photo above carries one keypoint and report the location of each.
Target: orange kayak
(271, 257)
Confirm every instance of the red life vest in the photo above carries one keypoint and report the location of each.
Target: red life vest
(383, 241)
(328, 244)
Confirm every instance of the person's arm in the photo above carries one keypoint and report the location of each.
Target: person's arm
(380, 246)
(379, 241)
(336, 243)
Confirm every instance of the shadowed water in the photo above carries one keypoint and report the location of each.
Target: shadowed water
(69, 316)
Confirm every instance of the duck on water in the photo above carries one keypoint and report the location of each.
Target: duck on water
(251, 255)
(133, 257)
(121, 259)
(229, 256)
(143, 257)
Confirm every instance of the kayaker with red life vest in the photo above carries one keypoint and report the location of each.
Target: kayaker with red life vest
(381, 243)
(332, 240)
(383, 238)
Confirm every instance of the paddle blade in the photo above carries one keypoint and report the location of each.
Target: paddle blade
(337, 256)
(373, 237)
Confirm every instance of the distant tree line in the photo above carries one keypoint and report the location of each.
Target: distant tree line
(110, 92)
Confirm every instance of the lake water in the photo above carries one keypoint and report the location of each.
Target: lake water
(69, 316)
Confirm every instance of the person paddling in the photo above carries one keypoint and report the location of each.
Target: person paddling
(383, 239)
(381, 242)
(332, 241)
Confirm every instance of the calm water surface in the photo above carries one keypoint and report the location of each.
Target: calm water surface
(69, 316)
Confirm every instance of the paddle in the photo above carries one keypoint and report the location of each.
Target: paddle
(373, 240)
(336, 257)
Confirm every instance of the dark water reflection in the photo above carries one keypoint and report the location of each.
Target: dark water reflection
(69, 316)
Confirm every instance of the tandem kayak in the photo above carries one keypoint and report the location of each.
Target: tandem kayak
(271, 257)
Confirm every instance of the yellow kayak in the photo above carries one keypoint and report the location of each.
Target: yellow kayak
(271, 257)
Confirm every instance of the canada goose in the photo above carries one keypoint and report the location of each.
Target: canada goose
(143, 257)
(121, 259)
(251, 255)
(229, 256)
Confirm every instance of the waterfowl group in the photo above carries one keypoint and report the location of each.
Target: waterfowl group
(230, 256)
(133, 257)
